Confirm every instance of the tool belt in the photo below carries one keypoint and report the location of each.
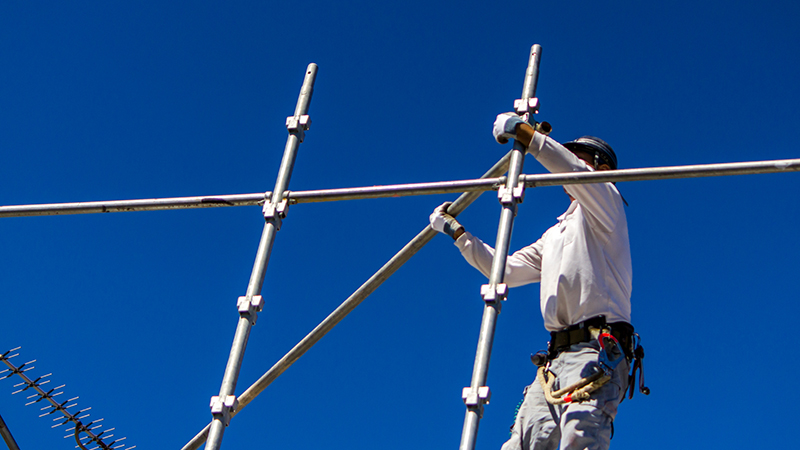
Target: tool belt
(562, 340)
(586, 331)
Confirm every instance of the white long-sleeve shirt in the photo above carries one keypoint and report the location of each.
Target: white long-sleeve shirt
(583, 262)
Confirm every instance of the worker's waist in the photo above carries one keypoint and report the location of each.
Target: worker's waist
(562, 340)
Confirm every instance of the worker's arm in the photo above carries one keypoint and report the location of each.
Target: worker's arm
(522, 267)
(602, 201)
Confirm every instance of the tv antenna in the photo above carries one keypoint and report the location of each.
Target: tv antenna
(89, 435)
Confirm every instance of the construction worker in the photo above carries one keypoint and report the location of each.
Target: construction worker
(583, 265)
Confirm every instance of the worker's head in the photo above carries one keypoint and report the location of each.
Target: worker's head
(595, 151)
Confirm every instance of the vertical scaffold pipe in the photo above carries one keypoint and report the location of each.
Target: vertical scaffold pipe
(478, 393)
(246, 321)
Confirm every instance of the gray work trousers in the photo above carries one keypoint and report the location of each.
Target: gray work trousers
(542, 426)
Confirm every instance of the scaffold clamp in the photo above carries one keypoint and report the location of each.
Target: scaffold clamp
(477, 397)
(493, 293)
(511, 196)
(222, 409)
(250, 306)
(297, 125)
(526, 106)
(275, 212)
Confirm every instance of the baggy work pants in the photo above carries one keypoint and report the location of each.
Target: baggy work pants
(542, 426)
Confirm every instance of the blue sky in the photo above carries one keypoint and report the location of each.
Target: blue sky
(136, 312)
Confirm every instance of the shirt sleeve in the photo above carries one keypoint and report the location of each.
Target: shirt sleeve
(602, 201)
(522, 267)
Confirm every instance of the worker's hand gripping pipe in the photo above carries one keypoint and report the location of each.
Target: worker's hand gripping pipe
(477, 394)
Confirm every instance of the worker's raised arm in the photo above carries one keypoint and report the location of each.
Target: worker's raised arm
(601, 200)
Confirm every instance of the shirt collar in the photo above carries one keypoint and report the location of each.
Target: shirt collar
(572, 206)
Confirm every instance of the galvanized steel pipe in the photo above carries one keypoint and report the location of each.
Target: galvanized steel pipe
(404, 190)
(271, 226)
(109, 206)
(477, 394)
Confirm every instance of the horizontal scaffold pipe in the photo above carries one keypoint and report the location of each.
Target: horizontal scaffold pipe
(663, 173)
(153, 204)
(325, 195)
(404, 190)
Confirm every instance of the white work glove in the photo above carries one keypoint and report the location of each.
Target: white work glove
(505, 127)
(445, 223)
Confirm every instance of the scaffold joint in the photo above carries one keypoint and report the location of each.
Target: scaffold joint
(297, 125)
(250, 307)
(222, 408)
(511, 196)
(526, 106)
(493, 293)
(275, 212)
(478, 397)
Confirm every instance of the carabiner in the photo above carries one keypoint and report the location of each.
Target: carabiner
(610, 352)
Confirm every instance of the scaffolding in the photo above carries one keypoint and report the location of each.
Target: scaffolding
(275, 205)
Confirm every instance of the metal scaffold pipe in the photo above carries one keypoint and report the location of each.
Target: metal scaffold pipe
(664, 173)
(532, 73)
(110, 206)
(477, 394)
(404, 190)
(351, 302)
(225, 403)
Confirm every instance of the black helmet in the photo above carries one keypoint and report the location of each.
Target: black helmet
(599, 148)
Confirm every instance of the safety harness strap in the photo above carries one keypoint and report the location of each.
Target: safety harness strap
(562, 340)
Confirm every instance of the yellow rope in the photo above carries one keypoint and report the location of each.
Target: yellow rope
(576, 392)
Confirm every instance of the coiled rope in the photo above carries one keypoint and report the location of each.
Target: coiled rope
(579, 391)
